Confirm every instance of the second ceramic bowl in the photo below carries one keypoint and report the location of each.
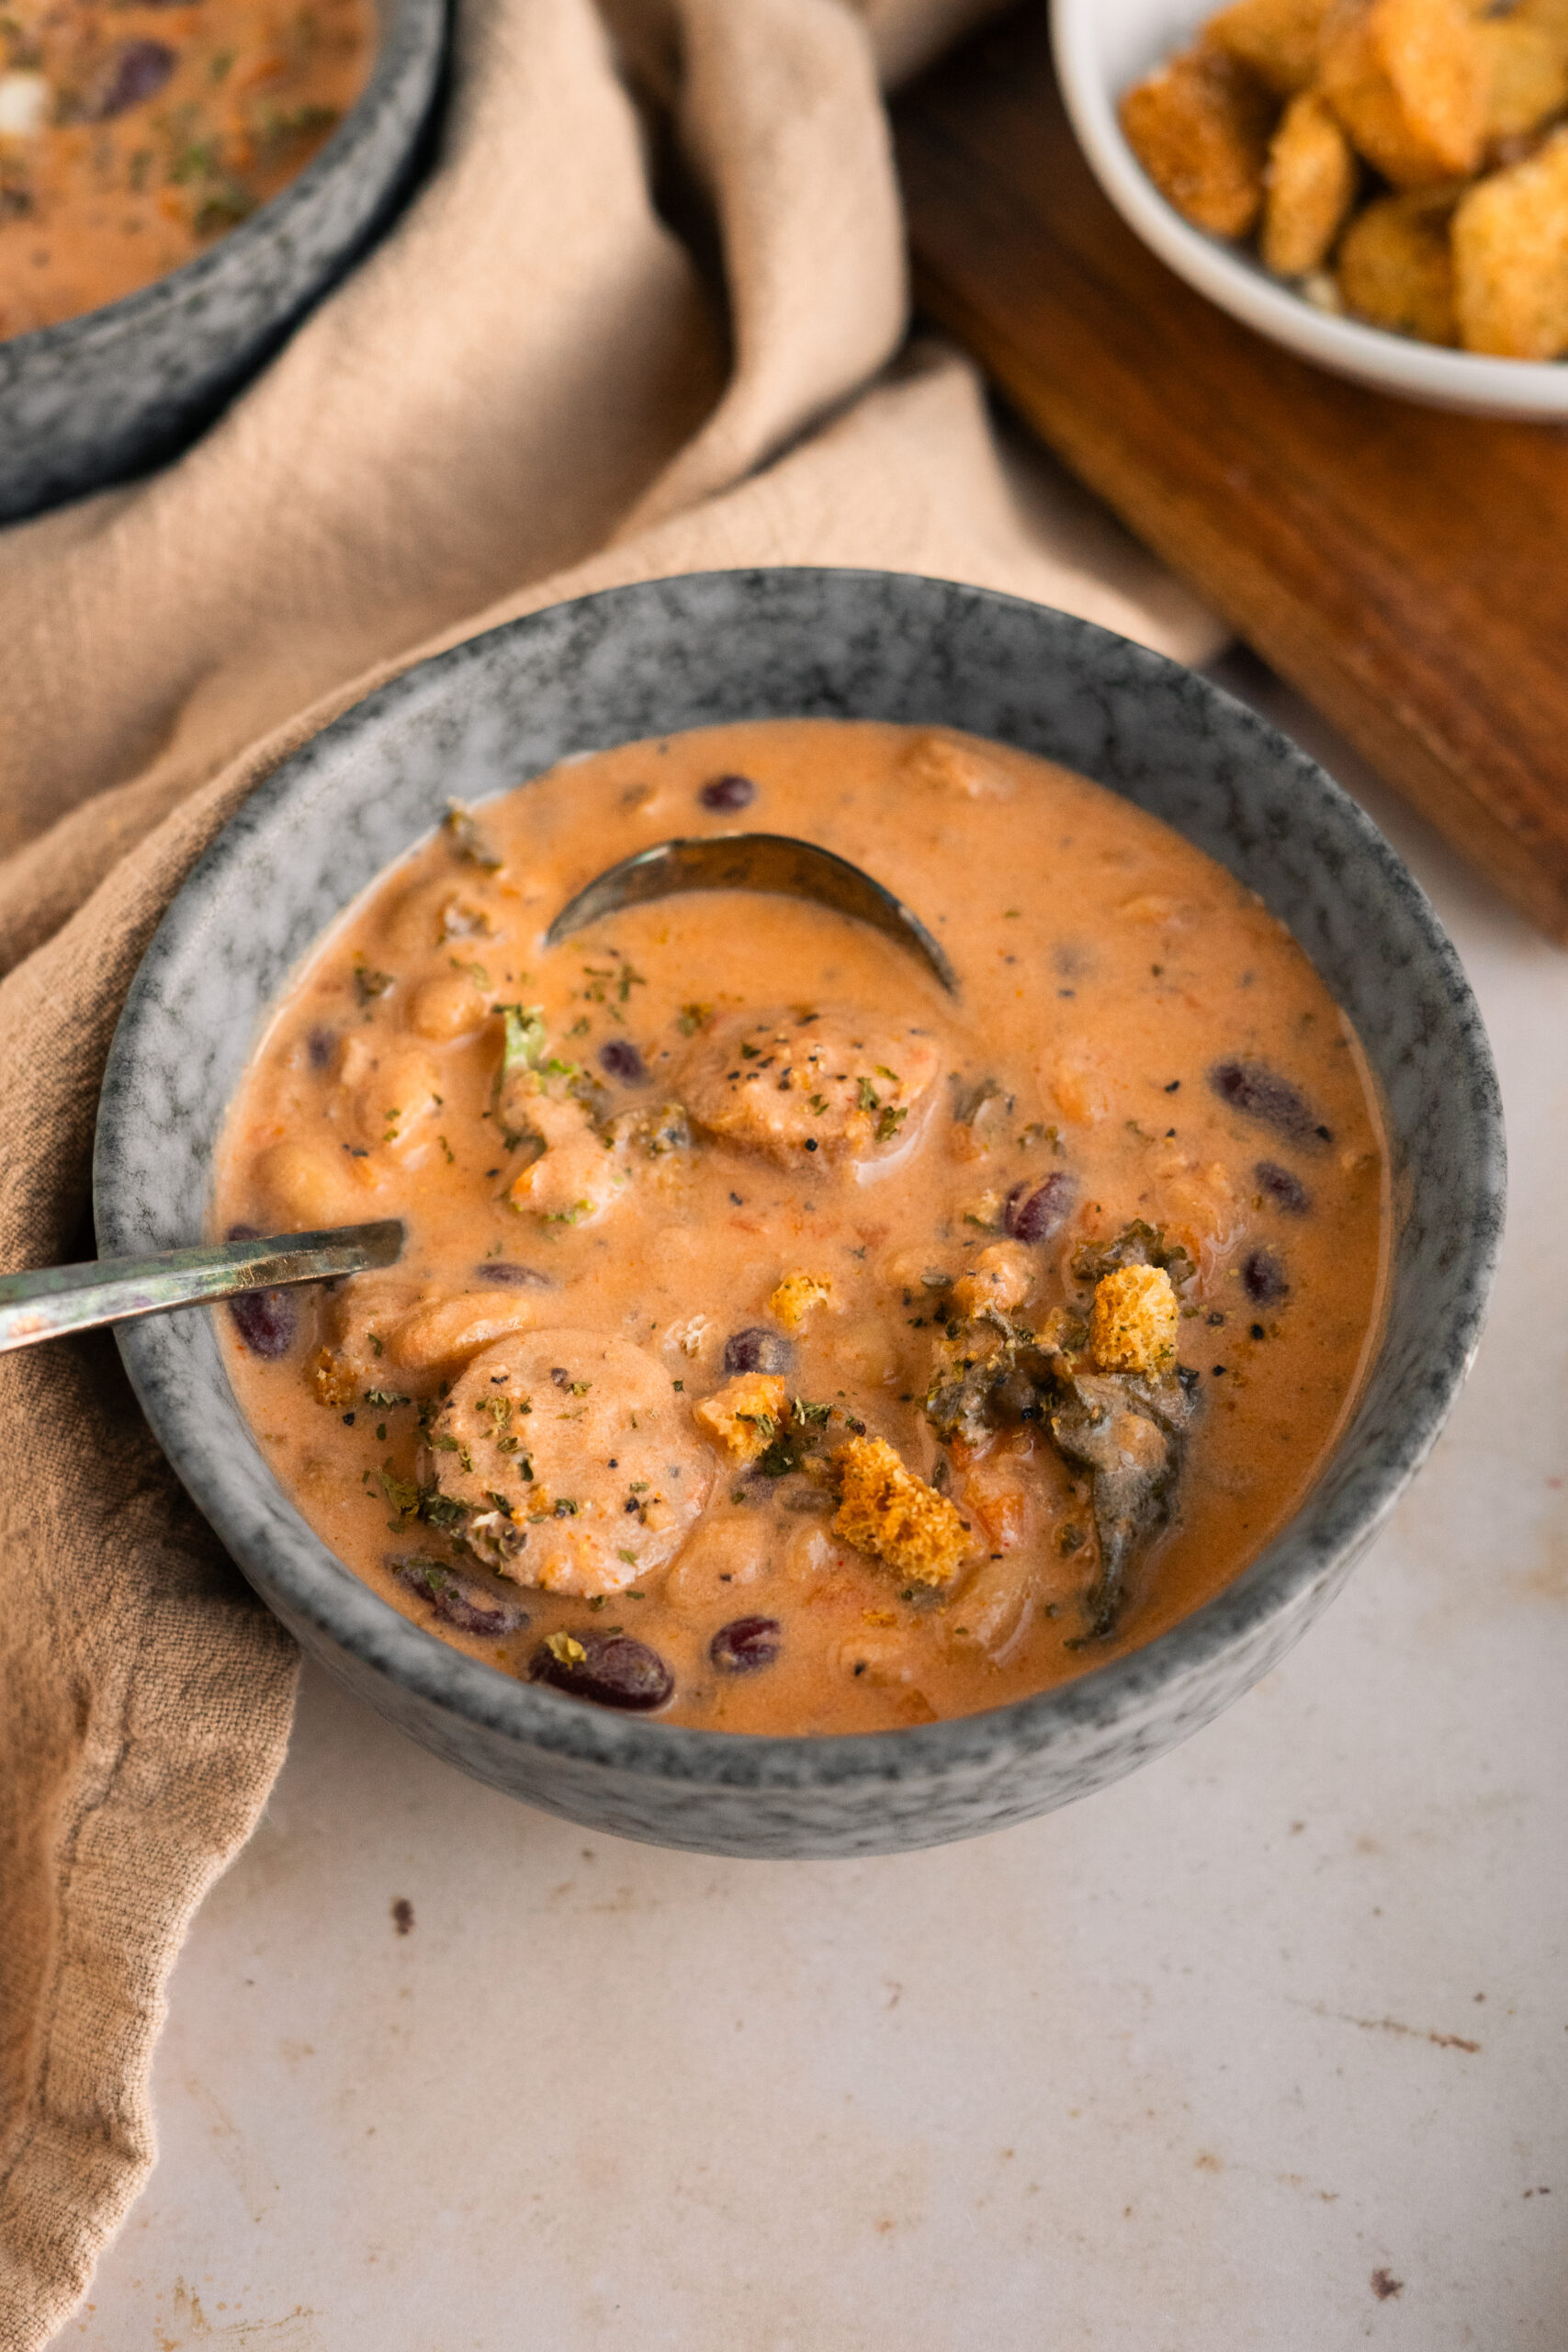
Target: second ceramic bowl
(103, 397)
(646, 660)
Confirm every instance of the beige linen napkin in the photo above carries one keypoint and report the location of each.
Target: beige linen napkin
(534, 388)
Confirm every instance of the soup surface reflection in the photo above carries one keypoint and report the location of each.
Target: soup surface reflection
(782, 1343)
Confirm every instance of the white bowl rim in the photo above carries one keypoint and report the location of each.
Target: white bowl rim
(1461, 379)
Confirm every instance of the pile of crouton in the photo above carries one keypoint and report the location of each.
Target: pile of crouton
(1404, 161)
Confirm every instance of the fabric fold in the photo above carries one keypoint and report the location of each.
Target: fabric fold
(781, 120)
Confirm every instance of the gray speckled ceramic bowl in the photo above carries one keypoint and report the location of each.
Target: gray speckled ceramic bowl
(690, 652)
(103, 397)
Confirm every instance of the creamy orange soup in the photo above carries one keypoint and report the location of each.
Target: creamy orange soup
(782, 1343)
(135, 133)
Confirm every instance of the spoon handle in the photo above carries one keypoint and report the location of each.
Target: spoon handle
(53, 1299)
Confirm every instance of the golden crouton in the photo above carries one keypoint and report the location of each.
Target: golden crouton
(1525, 57)
(798, 1295)
(1408, 79)
(1311, 186)
(884, 1510)
(1133, 1323)
(1511, 253)
(1199, 127)
(1278, 39)
(745, 1413)
(1395, 266)
(1001, 1276)
(332, 1379)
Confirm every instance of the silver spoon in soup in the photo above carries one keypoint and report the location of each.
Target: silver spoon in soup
(768, 861)
(253, 1271)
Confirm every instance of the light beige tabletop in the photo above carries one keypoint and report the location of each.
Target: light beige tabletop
(1265, 2047)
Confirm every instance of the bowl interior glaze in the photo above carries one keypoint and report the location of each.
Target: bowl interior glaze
(690, 652)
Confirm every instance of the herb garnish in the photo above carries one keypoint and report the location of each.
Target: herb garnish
(401, 1493)
(369, 985)
(468, 839)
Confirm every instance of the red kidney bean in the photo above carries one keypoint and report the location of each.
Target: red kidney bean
(614, 1671)
(727, 792)
(618, 1057)
(137, 72)
(758, 1351)
(1036, 1212)
(458, 1600)
(1263, 1278)
(1260, 1094)
(267, 1321)
(501, 1273)
(1286, 1191)
(747, 1643)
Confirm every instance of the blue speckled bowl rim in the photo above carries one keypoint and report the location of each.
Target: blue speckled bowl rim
(1117, 1694)
(403, 40)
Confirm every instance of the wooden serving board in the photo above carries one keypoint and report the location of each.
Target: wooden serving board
(1407, 568)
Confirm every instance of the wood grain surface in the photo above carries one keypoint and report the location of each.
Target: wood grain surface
(1407, 568)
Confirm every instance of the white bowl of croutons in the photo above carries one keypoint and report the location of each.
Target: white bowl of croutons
(1382, 186)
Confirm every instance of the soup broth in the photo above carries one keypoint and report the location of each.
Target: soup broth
(782, 1343)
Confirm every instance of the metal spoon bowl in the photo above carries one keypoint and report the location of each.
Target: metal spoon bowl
(769, 861)
(56, 1299)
